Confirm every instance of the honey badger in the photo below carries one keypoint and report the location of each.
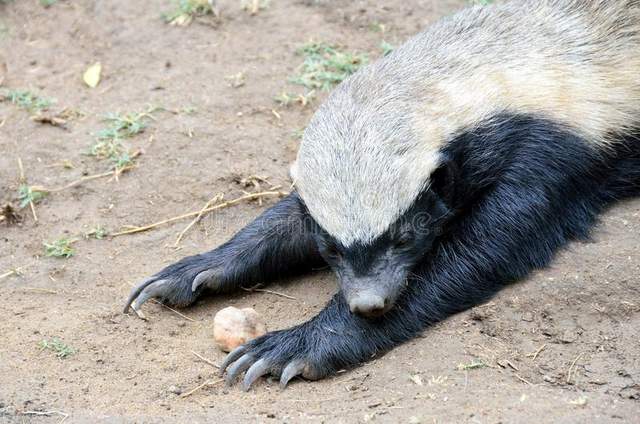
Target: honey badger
(435, 176)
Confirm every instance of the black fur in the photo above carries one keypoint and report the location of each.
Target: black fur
(524, 188)
(381, 268)
(516, 190)
(278, 244)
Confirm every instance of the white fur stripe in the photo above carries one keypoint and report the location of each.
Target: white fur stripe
(372, 146)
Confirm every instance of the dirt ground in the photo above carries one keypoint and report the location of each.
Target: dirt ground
(559, 347)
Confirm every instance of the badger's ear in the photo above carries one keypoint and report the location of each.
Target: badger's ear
(444, 182)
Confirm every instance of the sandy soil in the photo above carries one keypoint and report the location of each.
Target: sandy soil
(581, 316)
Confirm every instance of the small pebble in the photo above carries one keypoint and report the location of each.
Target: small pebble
(175, 390)
(527, 316)
(233, 327)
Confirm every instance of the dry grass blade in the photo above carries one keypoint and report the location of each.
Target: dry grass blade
(114, 173)
(217, 198)
(255, 289)
(535, 354)
(39, 290)
(173, 310)
(208, 361)
(572, 367)
(524, 380)
(14, 271)
(208, 383)
(7, 274)
(64, 415)
(202, 211)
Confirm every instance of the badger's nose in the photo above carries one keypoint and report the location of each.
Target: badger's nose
(368, 305)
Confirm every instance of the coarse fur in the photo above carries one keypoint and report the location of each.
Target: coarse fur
(575, 63)
(433, 177)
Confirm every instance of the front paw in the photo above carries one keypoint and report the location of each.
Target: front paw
(179, 284)
(284, 354)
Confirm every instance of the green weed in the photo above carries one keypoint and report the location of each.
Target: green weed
(28, 100)
(386, 48)
(378, 27)
(57, 346)
(109, 141)
(475, 364)
(325, 65)
(188, 110)
(98, 232)
(60, 248)
(298, 134)
(129, 124)
(28, 194)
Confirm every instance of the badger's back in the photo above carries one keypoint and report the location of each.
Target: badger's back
(371, 148)
(575, 62)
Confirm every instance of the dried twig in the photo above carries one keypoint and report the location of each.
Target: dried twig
(7, 274)
(534, 355)
(33, 211)
(114, 173)
(202, 211)
(571, 368)
(64, 415)
(21, 170)
(255, 289)
(203, 385)
(202, 358)
(524, 380)
(39, 290)
(14, 271)
(142, 316)
(218, 197)
(172, 310)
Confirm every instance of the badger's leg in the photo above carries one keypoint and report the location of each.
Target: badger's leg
(278, 243)
(511, 231)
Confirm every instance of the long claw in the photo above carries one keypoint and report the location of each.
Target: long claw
(292, 369)
(201, 278)
(239, 367)
(136, 292)
(256, 371)
(152, 290)
(231, 357)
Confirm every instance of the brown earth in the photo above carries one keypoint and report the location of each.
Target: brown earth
(581, 316)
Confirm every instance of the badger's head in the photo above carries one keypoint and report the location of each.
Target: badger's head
(378, 192)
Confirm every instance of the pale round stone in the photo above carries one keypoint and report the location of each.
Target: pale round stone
(233, 327)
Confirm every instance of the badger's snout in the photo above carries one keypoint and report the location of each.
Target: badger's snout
(374, 294)
(369, 305)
